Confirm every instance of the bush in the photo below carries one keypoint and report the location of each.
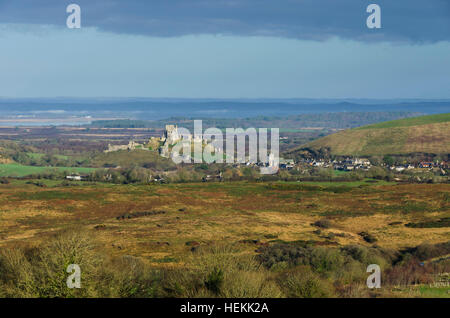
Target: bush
(356, 290)
(282, 253)
(409, 273)
(321, 260)
(182, 283)
(294, 269)
(16, 275)
(331, 236)
(129, 277)
(301, 282)
(444, 222)
(243, 276)
(41, 271)
(369, 238)
(219, 271)
(357, 252)
(325, 224)
(369, 255)
(427, 251)
(325, 260)
(214, 281)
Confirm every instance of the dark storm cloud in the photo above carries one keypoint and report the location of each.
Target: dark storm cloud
(402, 20)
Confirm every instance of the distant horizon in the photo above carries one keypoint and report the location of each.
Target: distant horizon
(73, 109)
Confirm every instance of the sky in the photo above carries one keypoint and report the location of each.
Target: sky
(225, 49)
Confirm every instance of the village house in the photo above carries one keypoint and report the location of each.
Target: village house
(424, 164)
(348, 164)
(287, 163)
(217, 177)
(76, 177)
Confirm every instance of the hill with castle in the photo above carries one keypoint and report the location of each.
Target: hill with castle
(164, 144)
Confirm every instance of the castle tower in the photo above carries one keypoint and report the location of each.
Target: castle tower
(171, 134)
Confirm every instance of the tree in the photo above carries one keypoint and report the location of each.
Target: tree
(388, 160)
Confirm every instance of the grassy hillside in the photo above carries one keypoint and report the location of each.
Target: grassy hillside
(408, 122)
(425, 134)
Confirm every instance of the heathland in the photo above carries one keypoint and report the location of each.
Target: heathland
(225, 239)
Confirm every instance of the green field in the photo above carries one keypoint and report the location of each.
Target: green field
(434, 292)
(17, 170)
(36, 155)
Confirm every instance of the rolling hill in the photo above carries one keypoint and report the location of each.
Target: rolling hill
(424, 134)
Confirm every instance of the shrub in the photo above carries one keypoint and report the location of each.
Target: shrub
(278, 253)
(357, 252)
(321, 260)
(331, 236)
(220, 271)
(129, 277)
(243, 276)
(426, 251)
(369, 238)
(444, 222)
(325, 260)
(185, 283)
(325, 224)
(369, 255)
(356, 290)
(214, 281)
(16, 274)
(410, 272)
(301, 282)
(41, 271)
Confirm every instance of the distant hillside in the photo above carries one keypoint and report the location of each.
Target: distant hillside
(336, 120)
(425, 134)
